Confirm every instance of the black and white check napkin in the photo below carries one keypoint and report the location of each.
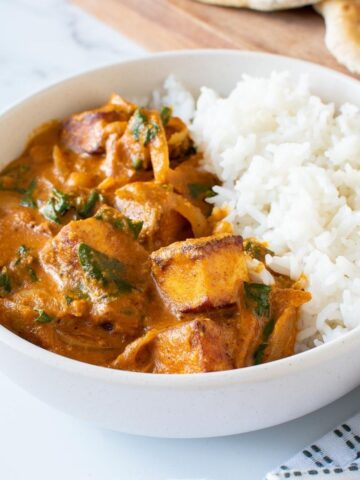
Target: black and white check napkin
(334, 456)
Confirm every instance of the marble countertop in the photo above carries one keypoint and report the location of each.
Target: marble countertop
(42, 41)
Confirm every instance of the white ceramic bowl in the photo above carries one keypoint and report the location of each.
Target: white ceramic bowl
(199, 405)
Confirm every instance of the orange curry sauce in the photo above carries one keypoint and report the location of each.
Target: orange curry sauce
(112, 256)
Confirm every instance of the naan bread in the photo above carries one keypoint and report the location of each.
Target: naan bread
(265, 5)
(342, 18)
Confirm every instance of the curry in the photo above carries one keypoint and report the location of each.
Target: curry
(112, 255)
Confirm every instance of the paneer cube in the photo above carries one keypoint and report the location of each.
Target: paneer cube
(194, 346)
(200, 274)
(199, 345)
(95, 263)
(84, 133)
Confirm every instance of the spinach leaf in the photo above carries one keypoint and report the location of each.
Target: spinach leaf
(32, 274)
(43, 317)
(267, 331)
(110, 216)
(165, 115)
(28, 199)
(5, 282)
(137, 123)
(106, 270)
(199, 190)
(87, 210)
(76, 294)
(152, 130)
(23, 250)
(259, 353)
(113, 217)
(57, 205)
(69, 299)
(134, 227)
(142, 129)
(256, 250)
(11, 178)
(16, 170)
(259, 295)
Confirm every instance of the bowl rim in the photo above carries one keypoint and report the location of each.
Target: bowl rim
(208, 380)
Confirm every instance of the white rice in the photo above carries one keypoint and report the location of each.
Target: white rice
(174, 95)
(290, 171)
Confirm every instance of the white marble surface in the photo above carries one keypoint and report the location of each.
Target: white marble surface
(45, 40)
(42, 41)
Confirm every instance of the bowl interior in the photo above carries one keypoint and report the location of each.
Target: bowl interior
(217, 69)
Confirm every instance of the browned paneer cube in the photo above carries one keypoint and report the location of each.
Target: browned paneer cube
(200, 274)
(84, 132)
(199, 345)
(103, 268)
(194, 346)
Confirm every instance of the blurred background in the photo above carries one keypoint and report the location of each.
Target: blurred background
(42, 41)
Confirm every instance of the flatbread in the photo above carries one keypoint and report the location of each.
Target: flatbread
(342, 19)
(264, 5)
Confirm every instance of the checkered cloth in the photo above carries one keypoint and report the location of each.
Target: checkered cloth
(334, 456)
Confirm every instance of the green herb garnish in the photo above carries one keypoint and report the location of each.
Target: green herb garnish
(43, 317)
(256, 250)
(118, 224)
(134, 227)
(141, 128)
(77, 294)
(152, 130)
(28, 199)
(69, 299)
(105, 270)
(198, 189)
(57, 205)
(11, 178)
(32, 274)
(16, 170)
(165, 115)
(87, 210)
(23, 250)
(259, 295)
(110, 216)
(5, 282)
(259, 353)
(267, 331)
(137, 123)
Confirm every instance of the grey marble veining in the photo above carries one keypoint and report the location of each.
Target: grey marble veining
(42, 41)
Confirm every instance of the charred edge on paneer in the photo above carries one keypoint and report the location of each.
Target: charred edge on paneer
(83, 133)
(200, 274)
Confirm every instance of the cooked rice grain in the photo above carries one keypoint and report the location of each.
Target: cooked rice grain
(290, 168)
